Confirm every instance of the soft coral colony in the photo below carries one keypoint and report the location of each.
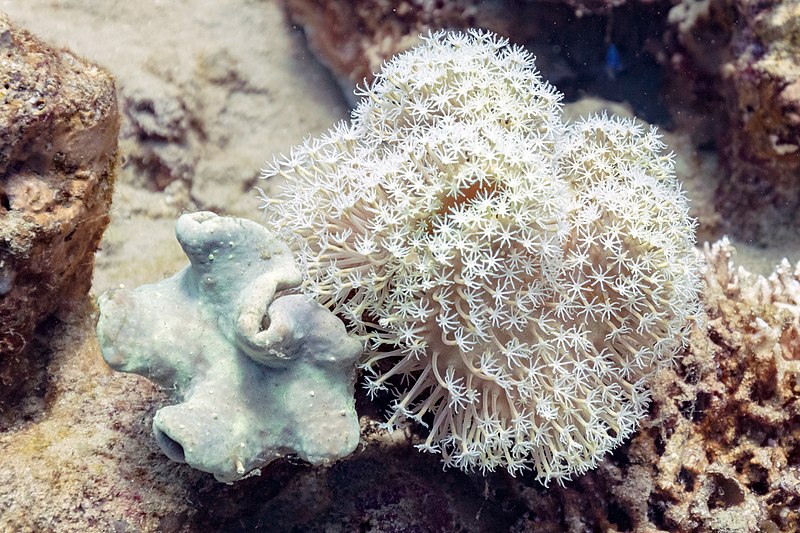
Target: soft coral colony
(518, 280)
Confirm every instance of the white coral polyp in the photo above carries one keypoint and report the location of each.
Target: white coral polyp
(518, 280)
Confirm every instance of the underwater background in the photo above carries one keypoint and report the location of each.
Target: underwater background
(201, 94)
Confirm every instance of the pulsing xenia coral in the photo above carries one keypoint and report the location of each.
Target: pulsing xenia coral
(517, 280)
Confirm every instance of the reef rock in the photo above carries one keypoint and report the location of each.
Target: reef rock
(736, 82)
(721, 452)
(255, 377)
(353, 38)
(58, 152)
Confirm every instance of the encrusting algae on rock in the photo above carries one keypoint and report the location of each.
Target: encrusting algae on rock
(524, 277)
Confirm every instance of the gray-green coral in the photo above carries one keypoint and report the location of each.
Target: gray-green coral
(256, 377)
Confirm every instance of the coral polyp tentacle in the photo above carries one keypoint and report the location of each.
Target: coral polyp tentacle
(528, 276)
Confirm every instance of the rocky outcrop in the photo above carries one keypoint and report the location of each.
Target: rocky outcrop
(735, 81)
(58, 153)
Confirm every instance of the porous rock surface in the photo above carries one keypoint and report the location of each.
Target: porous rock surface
(721, 452)
(735, 72)
(58, 152)
(206, 90)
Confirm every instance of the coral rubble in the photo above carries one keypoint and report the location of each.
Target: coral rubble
(58, 153)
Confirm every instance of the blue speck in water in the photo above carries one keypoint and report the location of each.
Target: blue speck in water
(613, 61)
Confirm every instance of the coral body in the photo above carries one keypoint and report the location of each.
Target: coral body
(58, 152)
(720, 453)
(525, 278)
(248, 392)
